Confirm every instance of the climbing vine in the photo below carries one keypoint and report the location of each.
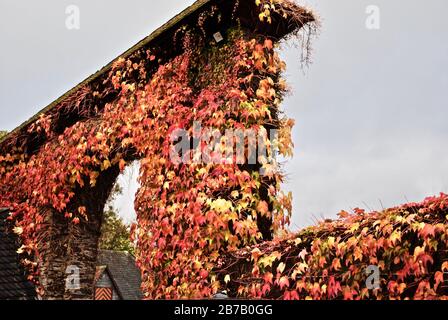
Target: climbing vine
(407, 246)
(189, 212)
(204, 214)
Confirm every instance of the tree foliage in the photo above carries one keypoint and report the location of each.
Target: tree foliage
(115, 234)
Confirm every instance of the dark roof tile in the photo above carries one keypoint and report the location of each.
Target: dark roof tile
(123, 271)
(13, 282)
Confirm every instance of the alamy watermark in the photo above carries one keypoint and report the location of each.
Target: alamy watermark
(73, 19)
(234, 146)
(72, 282)
(373, 21)
(373, 277)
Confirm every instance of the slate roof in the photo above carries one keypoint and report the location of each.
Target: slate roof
(123, 272)
(13, 282)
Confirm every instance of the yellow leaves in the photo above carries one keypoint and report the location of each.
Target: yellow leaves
(221, 205)
(227, 278)
(262, 207)
(266, 14)
(357, 254)
(354, 227)
(395, 236)
(285, 144)
(202, 171)
(257, 2)
(99, 136)
(131, 87)
(300, 268)
(93, 176)
(106, 165)
(331, 241)
(445, 266)
(21, 249)
(170, 175)
(268, 260)
(418, 251)
(266, 89)
(281, 267)
(197, 265)
(256, 253)
(18, 230)
(336, 264)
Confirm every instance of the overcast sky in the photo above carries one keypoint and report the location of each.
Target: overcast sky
(371, 111)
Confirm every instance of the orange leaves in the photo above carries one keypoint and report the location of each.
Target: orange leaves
(438, 278)
(82, 210)
(122, 165)
(266, 90)
(268, 277)
(268, 44)
(395, 236)
(427, 230)
(343, 214)
(190, 214)
(199, 211)
(262, 207)
(336, 264)
(256, 253)
(93, 177)
(444, 266)
(283, 282)
(401, 244)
